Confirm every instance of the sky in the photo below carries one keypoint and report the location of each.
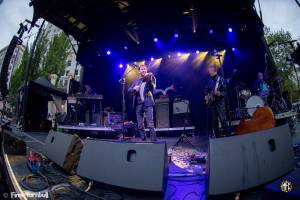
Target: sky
(277, 14)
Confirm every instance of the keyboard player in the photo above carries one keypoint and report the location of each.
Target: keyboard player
(87, 106)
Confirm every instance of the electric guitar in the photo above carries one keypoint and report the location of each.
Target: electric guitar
(211, 97)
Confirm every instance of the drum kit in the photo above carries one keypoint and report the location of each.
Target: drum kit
(247, 102)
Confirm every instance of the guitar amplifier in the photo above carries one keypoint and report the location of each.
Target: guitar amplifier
(162, 113)
(181, 114)
(114, 118)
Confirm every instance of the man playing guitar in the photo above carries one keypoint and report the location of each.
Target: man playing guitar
(215, 101)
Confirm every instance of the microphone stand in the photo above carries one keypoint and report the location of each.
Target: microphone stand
(226, 92)
(123, 82)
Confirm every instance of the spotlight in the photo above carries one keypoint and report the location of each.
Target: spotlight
(197, 52)
(176, 35)
(108, 52)
(233, 49)
(125, 47)
(211, 31)
(178, 54)
(169, 56)
(121, 65)
(152, 59)
(155, 39)
(230, 29)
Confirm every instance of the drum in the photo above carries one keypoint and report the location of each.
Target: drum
(245, 94)
(254, 102)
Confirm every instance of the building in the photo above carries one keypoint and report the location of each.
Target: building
(73, 68)
(15, 61)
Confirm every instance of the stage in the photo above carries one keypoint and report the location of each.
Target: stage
(185, 180)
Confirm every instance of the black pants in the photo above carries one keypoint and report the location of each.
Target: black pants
(143, 111)
(218, 114)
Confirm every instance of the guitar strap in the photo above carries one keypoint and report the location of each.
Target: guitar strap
(217, 84)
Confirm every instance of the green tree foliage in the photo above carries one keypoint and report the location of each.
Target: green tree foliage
(49, 57)
(18, 76)
(56, 58)
(280, 53)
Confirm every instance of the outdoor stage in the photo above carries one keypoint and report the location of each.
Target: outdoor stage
(185, 180)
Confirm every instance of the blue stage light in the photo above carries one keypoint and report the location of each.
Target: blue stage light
(169, 56)
(197, 52)
(152, 59)
(155, 39)
(125, 47)
(178, 54)
(211, 31)
(108, 52)
(233, 49)
(121, 65)
(230, 29)
(176, 35)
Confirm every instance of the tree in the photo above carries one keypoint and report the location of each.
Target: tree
(280, 54)
(56, 57)
(18, 76)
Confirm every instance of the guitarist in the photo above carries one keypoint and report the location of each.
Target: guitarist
(143, 101)
(215, 101)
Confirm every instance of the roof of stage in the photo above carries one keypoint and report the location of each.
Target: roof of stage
(133, 24)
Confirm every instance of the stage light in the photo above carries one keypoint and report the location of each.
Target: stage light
(121, 65)
(152, 59)
(233, 49)
(230, 29)
(155, 39)
(211, 31)
(197, 52)
(169, 56)
(176, 35)
(125, 47)
(178, 54)
(108, 52)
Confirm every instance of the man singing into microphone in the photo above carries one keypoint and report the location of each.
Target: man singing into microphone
(143, 101)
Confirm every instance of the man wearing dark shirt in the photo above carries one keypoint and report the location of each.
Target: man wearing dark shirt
(143, 101)
(216, 104)
(261, 86)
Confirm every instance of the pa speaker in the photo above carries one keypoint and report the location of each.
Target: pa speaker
(64, 150)
(5, 65)
(241, 162)
(137, 166)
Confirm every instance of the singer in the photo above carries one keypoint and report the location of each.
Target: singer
(143, 101)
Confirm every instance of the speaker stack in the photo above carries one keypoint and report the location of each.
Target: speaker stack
(241, 162)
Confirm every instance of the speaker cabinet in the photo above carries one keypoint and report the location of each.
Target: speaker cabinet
(162, 114)
(241, 162)
(63, 149)
(138, 166)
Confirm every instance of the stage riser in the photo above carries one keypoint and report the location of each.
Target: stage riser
(241, 162)
(138, 166)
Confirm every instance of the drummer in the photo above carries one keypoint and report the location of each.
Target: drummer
(261, 86)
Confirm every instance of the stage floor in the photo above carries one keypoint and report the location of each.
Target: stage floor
(188, 188)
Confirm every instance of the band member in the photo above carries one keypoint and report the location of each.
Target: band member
(261, 86)
(216, 102)
(87, 105)
(143, 101)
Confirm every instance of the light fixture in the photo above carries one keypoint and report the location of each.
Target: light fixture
(211, 31)
(108, 52)
(121, 65)
(178, 54)
(152, 59)
(176, 35)
(230, 29)
(197, 52)
(155, 39)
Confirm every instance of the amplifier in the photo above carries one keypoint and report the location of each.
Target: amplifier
(162, 113)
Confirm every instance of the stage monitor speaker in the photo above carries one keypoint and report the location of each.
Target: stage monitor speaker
(245, 161)
(137, 166)
(63, 149)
